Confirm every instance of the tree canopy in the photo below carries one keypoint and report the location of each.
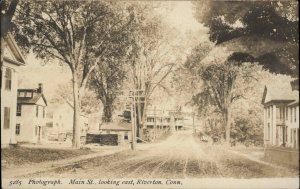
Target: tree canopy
(79, 34)
(252, 24)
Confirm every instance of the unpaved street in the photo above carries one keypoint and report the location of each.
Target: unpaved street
(179, 156)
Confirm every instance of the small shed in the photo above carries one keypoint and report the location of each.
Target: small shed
(113, 133)
(121, 128)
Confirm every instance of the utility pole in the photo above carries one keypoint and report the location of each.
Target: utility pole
(135, 97)
(154, 122)
(133, 122)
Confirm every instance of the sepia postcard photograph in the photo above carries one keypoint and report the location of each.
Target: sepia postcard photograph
(149, 94)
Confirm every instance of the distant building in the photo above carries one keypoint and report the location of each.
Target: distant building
(12, 59)
(281, 122)
(164, 119)
(122, 129)
(60, 122)
(31, 115)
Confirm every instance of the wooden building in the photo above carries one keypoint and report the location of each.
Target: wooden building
(281, 123)
(12, 60)
(31, 115)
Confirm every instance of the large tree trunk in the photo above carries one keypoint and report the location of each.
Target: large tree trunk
(140, 113)
(144, 116)
(227, 124)
(77, 111)
(7, 17)
(107, 112)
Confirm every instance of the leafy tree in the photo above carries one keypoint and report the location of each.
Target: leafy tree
(151, 60)
(109, 73)
(266, 30)
(76, 33)
(223, 83)
(107, 81)
(248, 127)
(89, 102)
(186, 79)
(226, 84)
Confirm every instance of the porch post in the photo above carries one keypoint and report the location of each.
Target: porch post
(274, 125)
(265, 127)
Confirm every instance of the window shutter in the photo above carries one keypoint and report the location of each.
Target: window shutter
(6, 117)
(37, 110)
(8, 77)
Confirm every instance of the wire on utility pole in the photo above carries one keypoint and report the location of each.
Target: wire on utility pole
(135, 97)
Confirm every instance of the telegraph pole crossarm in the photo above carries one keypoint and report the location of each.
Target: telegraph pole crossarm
(136, 97)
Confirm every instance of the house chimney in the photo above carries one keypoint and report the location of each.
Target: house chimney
(40, 89)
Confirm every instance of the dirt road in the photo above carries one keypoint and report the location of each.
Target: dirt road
(179, 156)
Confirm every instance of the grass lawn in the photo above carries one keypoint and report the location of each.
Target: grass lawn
(19, 156)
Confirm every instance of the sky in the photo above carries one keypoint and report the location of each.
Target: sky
(181, 17)
(52, 74)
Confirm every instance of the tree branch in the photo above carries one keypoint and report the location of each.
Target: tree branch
(168, 72)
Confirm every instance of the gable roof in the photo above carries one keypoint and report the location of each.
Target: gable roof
(116, 126)
(20, 60)
(279, 92)
(33, 100)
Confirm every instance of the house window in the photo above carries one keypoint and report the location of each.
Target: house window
(150, 119)
(49, 124)
(126, 136)
(286, 113)
(17, 129)
(279, 113)
(21, 94)
(28, 94)
(8, 76)
(19, 109)
(108, 132)
(6, 117)
(268, 112)
(37, 111)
